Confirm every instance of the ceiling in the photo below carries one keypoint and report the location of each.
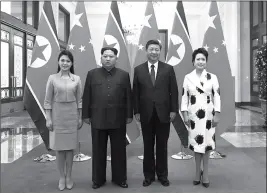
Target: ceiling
(191, 8)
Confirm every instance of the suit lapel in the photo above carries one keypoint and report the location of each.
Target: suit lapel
(193, 78)
(159, 71)
(147, 74)
(203, 79)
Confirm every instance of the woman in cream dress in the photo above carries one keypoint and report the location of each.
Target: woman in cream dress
(201, 106)
(63, 105)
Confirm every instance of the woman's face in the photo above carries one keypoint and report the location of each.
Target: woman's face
(200, 62)
(64, 63)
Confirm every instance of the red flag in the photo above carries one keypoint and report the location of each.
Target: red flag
(43, 63)
(114, 38)
(218, 64)
(80, 44)
(180, 57)
(149, 31)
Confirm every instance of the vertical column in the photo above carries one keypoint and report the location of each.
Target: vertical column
(245, 53)
(231, 35)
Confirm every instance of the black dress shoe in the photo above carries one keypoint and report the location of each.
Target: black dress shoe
(148, 181)
(96, 186)
(164, 181)
(123, 185)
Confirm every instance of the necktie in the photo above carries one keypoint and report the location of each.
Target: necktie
(152, 74)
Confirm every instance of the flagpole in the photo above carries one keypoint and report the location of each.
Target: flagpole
(181, 155)
(44, 158)
(141, 157)
(216, 155)
(80, 157)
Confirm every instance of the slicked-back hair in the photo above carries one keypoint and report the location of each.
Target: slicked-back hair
(149, 42)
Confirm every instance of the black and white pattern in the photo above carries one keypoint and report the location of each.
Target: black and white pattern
(201, 102)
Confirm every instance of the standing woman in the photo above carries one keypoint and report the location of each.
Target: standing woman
(201, 106)
(63, 105)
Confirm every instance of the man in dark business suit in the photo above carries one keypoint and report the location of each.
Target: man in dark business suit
(107, 106)
(155, 94)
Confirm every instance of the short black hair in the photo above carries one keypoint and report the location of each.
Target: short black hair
(70, 56)
(114, 50)
(200, 51)
(149, 42)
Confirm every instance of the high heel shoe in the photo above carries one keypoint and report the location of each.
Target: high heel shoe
(198, 182)
(61, 185)
(206, 185)
(69, 184)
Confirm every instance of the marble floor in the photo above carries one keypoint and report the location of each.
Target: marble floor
(19, 135)
(243, 170)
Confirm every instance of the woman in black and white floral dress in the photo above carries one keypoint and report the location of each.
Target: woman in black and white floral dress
(201, 107)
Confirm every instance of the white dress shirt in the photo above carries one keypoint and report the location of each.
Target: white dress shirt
(155, 68)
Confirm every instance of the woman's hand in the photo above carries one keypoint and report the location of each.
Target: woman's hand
(80, 124)
(186, 118)
(49, 125)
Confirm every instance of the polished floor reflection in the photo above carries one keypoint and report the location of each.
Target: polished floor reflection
(15, 142)
(19, 135)
(248, 130)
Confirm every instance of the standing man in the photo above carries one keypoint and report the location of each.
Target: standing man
(155, 106)
(107, 106)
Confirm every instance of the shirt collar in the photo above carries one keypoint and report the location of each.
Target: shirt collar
(156, 65)
(70, 75)
(112, 71)
(203, 74)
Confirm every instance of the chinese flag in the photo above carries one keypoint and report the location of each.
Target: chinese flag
(43, 63)
(114, 38)
(149, 32)
(180, 57)
(218, 64)
(80, 44)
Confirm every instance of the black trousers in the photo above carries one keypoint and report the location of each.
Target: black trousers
(151, 131)
(118, 154)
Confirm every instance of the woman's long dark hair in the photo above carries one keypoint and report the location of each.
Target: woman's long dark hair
(70, 56)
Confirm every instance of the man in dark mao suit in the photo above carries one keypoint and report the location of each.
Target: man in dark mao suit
(155, 94)
(107, 106)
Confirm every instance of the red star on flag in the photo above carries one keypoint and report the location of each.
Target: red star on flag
(179, 56)
(45, 52)
(114, 38)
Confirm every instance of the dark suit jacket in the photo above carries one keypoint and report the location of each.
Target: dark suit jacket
(107, 98)
(164, 94)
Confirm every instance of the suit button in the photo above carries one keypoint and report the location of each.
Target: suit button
(108, 94)
(108, 87)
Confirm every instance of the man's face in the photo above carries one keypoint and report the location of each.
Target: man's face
(153, 52)
(108, 59)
